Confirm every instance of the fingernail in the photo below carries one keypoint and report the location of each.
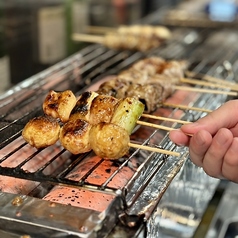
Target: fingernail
(181, 145)
(221, 140)
(200, 140)
(193, 124)
(190, 125)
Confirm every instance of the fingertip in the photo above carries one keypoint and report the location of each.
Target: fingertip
(191, 128)
(178, 137)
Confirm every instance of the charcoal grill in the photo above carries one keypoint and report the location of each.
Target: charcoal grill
(162, 198)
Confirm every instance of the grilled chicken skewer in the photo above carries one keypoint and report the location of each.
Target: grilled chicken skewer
(142, 38)
(152, 81)
(108, 135)
(153, 95)
(146, 30)
(176, 71)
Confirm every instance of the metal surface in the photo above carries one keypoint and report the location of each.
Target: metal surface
(143, 196)
(224, 221)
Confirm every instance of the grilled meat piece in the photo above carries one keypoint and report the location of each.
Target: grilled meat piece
(160, 69)
(148, 65)
(59, 104)
(150, 80)
(41, 131)
(134, 75)
(152, 95)
(145, 30)
(74, 136)
(115, 87)
(142, 38)
(94, 108)
(102, 109)
(82, 107)
(109, 141)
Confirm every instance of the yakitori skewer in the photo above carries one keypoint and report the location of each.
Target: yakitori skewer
(159, 69)
(136, 37)
(97, 122)
(153, 80)
(135, 29)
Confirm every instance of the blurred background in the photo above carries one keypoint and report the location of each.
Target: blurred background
(37, 34)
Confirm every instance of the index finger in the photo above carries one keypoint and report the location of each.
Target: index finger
(225, 116)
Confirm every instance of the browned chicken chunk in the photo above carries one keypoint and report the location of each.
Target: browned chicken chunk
(102, 109)
(59, 104)
(82, 107)
(109, 141)
(161, 69)
(115, 87)
(41, 131)
(74, 136)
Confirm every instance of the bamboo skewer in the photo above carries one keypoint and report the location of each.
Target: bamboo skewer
(88, 38)
(212, 79)
(143, 123)
(208, 84)
(204, 90)
(184, 107)
(159, 126)
(164, 118)
(153, 149)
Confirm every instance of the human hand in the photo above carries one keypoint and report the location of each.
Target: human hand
(214, 141)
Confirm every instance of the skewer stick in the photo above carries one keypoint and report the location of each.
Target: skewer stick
(204, 90)
(164, 118)
(212, 79)
(184, 107)
(88, 38)
(166, 128)
(208, 84)
(153, 149)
